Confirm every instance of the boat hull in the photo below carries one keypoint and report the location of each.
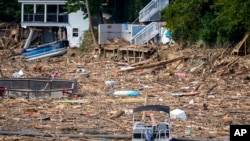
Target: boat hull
(46, 50)
(47, 54)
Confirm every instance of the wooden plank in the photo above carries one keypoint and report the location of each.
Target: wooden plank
(135, 49)
(239, 45)
(155, 64)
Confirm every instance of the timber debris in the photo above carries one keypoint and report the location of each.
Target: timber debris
(221, 83)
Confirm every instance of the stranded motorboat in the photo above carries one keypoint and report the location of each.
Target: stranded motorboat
(46, 50)
(152, 131)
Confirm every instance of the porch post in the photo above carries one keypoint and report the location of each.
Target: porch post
(34, 10)
(45, 13)
(27, 43)
(22, 13)
(57, 13)
(34, 13)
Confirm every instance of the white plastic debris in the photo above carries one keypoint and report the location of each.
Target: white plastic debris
(191, 102)
(82, 70)
(177, 113)
(128, 111)
(110, 83)
(96, 57)
(127, 68)
(166, 36)
(126, 93)
(18, 74)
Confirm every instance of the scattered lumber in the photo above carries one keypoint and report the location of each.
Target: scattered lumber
(117, 114)
(228, 65)
(142, 62)
(155, 64)
(76, 115)
(239, 45)
(114, 122)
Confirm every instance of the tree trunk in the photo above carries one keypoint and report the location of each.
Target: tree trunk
(90, 22)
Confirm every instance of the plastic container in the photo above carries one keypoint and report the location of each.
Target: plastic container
(177, 113)
(180, 74)
(126, 68)
(18, 74)
(74, 97)
(81, 70)
(126, 93)
(110, 83)
(55, 75)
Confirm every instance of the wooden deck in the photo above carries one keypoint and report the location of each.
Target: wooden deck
(127, 53)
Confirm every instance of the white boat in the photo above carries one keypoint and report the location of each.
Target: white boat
(151, 130)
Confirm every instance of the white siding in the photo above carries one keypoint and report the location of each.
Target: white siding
(76, 21)
(111, 31)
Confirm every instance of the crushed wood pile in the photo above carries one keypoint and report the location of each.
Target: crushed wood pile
(220, 82)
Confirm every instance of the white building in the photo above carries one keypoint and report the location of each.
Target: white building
(52, 22)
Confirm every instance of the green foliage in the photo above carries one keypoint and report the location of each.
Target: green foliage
(10, 10)
(233, 18)
(213, 21)
(121, 10)
(87, 41)
(132, 9)
(183, 18)
(207, 31)
(94, 6)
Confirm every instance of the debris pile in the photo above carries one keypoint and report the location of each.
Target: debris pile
(209, 85)
(12, 38)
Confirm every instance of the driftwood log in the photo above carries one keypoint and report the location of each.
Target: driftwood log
(155, 64)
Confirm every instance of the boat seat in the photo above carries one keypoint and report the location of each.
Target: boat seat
(138, 130)
(162, 130)
(139, 124)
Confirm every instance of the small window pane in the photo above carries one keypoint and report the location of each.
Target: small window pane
(75, 29)
(75, 32)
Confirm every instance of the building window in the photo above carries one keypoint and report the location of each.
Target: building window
(75, 32)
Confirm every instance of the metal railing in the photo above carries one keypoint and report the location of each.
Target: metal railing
(151, 9)
(146, 34)
(37, 87)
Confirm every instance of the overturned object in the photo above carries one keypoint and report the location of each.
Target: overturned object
(46, 50)
(38, 87)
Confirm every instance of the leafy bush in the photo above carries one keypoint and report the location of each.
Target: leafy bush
(87, 42)
(219, 22)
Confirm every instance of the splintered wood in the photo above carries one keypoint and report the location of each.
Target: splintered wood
(237, 48)
(10, 36)
(222, 82)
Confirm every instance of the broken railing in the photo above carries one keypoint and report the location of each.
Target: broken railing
(37, 87)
